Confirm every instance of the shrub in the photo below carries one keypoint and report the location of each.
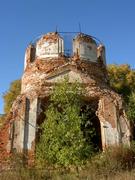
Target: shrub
(114, 159)
(62, 141)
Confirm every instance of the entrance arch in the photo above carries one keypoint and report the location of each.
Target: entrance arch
(91, 127)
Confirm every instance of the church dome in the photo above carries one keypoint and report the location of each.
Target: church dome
(85, 47)
(63, 45)
(49, 45)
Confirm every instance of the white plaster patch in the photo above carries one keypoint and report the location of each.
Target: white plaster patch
(110, 134)
(86, 51)
(73, 76)
(46, 49)
(32, 123)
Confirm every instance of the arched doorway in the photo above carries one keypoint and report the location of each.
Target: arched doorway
(91, 125)
(42, 107)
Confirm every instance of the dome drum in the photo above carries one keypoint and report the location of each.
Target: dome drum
(52, 46)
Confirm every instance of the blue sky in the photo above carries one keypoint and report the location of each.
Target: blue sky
(112, 21)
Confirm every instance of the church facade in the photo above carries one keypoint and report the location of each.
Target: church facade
(47, 62)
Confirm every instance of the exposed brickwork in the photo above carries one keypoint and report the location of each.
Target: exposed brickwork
(40, 76)
(4, 140)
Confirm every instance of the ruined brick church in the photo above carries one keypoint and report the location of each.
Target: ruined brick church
(47, 61)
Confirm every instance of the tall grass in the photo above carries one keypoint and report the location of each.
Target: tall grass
(34, 174)
(116, 163)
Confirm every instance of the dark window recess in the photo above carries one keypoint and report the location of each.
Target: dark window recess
(32, 54)
(91, 125)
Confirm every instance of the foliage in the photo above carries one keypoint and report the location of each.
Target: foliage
(62, 140)
(131, 113)
(11, 94)
(2, 119)
(131, 107)
(115, 159)
(122, 79)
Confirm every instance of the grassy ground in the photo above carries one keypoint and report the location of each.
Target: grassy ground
(83, 175)
(114, 164)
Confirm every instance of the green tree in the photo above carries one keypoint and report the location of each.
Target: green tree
(1, 119)
(131, 107)
(62, 141)
(122, 79)
(11, 94)
(131, 113)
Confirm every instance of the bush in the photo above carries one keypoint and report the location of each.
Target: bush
(9, 96)
(62, 141)
(2, 120)
(114, 159)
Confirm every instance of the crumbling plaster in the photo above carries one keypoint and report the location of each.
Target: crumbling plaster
(42, 71)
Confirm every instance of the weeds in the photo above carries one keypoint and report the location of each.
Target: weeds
(116, 163)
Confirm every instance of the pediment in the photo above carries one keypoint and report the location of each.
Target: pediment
(73, 75)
